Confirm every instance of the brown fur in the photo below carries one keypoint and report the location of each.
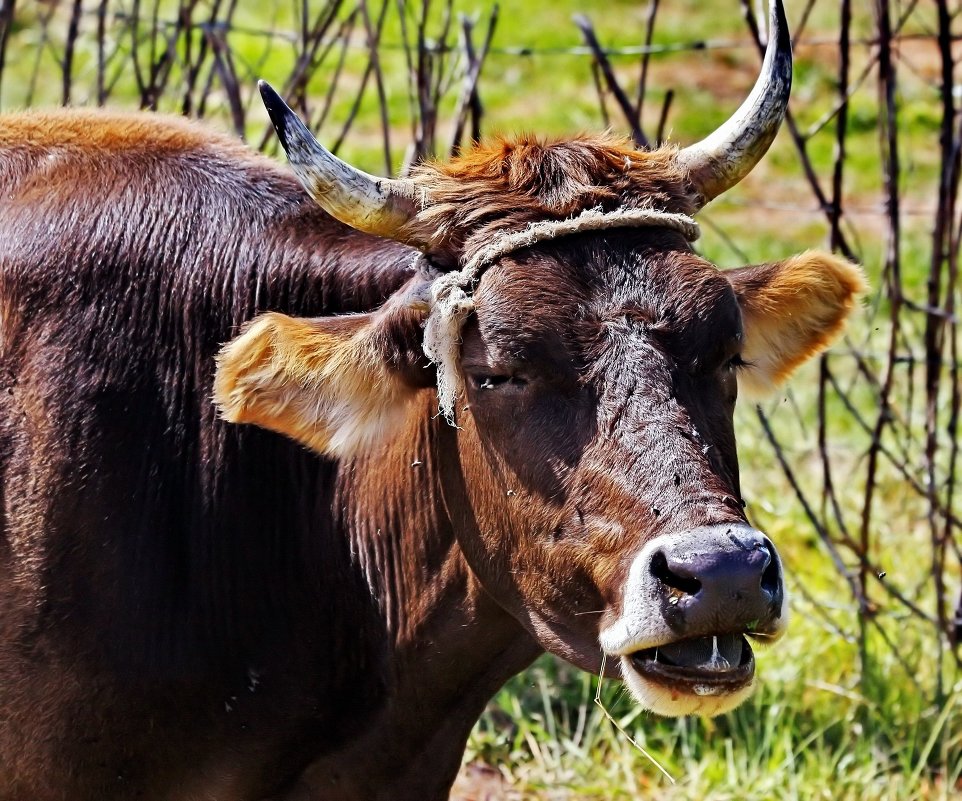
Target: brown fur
(113, 131)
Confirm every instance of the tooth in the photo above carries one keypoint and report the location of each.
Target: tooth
(717, 663)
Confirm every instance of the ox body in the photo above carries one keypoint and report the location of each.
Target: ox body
(193, 609)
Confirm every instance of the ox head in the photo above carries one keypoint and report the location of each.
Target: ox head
(594, 372)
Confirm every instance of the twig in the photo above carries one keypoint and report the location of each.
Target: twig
(469, 102)
(73, 29)
(645, 59)
(630, 112)
(7, 9)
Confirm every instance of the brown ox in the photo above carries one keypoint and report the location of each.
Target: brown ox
(191, 609)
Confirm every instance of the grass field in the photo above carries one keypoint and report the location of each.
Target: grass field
(845, 710)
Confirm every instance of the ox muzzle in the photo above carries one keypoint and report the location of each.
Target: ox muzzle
(690, 605)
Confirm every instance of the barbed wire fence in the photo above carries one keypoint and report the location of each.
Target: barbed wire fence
(893, 396)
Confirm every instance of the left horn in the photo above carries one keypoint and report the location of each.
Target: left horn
(378, 206)
(717, 163)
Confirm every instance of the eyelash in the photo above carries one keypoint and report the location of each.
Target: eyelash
(495, 381)
(737, 363)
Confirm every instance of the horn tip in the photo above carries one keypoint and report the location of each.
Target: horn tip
(279, 112)
(778, 27)
(779, 49)
(275, 106)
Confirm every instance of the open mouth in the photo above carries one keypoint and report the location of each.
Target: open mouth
(714, 665)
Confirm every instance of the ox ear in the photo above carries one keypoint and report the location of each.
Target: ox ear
(338, 385)
(792, 310)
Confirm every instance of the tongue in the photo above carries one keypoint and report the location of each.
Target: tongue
(709, 653)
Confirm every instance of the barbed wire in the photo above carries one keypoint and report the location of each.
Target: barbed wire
(436, 47)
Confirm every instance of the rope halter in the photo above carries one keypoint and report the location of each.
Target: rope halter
(452, 298)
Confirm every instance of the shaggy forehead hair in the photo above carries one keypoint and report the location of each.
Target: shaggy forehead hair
(505, 184)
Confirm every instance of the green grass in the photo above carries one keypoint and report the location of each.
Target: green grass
(810, 732)
(835, 718)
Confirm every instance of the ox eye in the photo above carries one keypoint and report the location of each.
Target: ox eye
(736, 363)
(493, 381)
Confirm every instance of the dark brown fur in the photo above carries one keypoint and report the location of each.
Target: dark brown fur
(172, 589)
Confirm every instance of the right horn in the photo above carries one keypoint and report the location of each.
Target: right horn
(720, 161)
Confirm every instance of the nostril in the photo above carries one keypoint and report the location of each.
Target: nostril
(661, 571)
(771, 579)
